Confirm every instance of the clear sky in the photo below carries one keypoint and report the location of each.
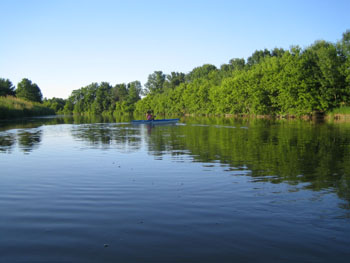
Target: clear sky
(65, 45)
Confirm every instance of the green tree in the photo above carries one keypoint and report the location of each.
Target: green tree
(6, 87)
(174, 79)
(321, 71)
(284, 82)
(200, 72)
(103, 99)
(277, 52)
(258, 56)
(29, 91)
(57, 104)
(69, 106)
(155, 83)
(134, 90)
(344, 49)
(237, 63)
(120, 92)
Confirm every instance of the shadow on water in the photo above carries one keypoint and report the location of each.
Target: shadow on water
(314, 155)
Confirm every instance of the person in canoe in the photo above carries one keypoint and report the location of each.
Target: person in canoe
(149, 116)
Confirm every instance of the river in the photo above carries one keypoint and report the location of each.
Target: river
(201, 190)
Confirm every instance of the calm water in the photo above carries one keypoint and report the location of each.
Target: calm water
(204, 190)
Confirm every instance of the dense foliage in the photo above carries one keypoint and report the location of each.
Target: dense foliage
(56, 104)
(25, 101)
(103, 98)
(277, 82)
(28, 91)
(270, 82)
(6, 88)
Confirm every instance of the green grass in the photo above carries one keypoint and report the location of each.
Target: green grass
(11, 107)
(342, 110)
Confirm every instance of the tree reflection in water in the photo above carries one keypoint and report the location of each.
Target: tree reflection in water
(29, 140)
(105, 136)
(314, 155)
(311, 155)
(7, 142)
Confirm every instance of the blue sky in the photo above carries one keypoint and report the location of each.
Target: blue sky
(65, 45)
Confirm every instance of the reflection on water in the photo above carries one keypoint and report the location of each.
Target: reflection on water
(6, 142)
(27, 140)
(54, 120)
(204, 190)
(120, 136)
(314, 154)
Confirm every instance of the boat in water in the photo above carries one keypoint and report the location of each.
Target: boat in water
(163, 121)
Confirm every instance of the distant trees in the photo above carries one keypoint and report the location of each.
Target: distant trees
(6, 87)
(158, 82)
(258, 56)
(200, 72)
(155, 83)
(174, 79)
(132, 95)
(276, 82)
(28, 91)
(56, 104)
(103, 98)
(343, 47)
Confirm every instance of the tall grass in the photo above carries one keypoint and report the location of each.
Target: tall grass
(11, 107)
(341, 110)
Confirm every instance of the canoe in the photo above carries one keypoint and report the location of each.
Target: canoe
(163, 121)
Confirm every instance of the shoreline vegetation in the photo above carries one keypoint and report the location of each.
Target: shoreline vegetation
(306, 83)
(12, 108)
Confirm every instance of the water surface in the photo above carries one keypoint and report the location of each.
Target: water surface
(203, 190)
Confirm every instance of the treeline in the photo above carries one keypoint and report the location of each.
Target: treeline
(270, 82)
(25, 90)
(297, 81)
(104, 99)
(24, 101)
(277, 82)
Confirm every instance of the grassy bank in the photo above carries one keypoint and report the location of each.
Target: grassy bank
(339, 114)
(345, 110)
(11, 107)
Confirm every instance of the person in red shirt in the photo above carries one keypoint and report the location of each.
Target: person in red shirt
(149, 116)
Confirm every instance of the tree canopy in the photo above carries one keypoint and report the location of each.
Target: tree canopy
(275, 82)
(56, 104)
(6, 87)
(28, 91)
(104, 98)
(297, 81)
(155, 83)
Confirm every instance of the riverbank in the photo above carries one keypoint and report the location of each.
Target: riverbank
(12, 108)
(328, 116)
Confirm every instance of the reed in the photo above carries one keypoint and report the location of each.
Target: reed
(12, 107)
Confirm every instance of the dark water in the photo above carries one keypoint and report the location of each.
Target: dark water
(204, 190)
